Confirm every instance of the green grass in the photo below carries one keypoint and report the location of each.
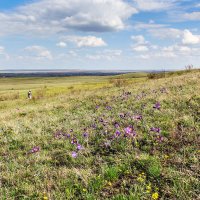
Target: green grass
(139, 165)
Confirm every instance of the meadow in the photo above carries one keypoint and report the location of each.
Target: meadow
(125, 137)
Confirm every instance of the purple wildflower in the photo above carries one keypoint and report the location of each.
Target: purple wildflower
(137, 117)
(117, 133)
(79, 147)
(101, 120)
(116, 125)
(157, 106)
(129, 131)
(94, 126)
(122, 115)
(97, 107)
(74, 154)
(108, 107)
(74, 141)
(35, 149)
(154, 129)
(85, 134)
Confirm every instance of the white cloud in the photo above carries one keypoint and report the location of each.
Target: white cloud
(140, 48)
(108, 54)
(85, 41)
(57, 16)
(189, 38)
(61, 44)
(193, 16)
(166, 33)
(139, 39)
(140, 44)
(154, 5)
(177, 50)
(150, 25)
(38, 52)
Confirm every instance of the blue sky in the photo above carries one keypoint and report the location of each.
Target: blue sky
(99, 34)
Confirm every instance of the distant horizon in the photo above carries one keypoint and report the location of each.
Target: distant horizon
(81, 70)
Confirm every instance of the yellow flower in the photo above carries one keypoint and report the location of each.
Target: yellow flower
(166, 156)
(155, 196)
(84, 190)
(109, 183)
(45, 198)
(140, 179)
(148, 187)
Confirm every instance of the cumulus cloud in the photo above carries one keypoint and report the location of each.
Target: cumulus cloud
(38, 52)
(166, 33)
(55, 16)
(139, 39)
(108, 54)
(173, 51)
(140, 48)
(189, 38)
(154, 5)
(193, 16)
(86, 41)
(140, 44)
(61, 44)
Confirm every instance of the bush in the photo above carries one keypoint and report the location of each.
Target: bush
(12, 96)
(118, 82)
(156, 75)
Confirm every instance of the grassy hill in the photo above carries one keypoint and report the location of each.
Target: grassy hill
(122, 137)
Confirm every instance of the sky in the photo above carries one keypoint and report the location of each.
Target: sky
(99, 34)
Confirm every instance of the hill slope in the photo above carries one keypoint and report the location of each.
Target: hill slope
(102, 140)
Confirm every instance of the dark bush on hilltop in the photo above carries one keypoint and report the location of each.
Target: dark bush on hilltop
(156, 75)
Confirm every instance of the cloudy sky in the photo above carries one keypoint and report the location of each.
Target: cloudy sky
(99, 34)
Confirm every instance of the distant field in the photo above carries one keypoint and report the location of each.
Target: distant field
(123, 137)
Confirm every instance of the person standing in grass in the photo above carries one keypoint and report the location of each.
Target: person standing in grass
(29, 94)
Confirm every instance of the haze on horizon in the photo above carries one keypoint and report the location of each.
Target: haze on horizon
(99, 34)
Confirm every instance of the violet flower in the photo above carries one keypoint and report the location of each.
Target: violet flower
(157, 106)
(85, 134)
(154, 129)
(35, 149)
(137, 117)
(79, 147)
(74, 141)
(129, 131)
(108, 107)
(116, 125)
(74, 154)
(117, 133)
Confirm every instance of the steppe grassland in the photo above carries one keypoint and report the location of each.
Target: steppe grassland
(92, 138)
